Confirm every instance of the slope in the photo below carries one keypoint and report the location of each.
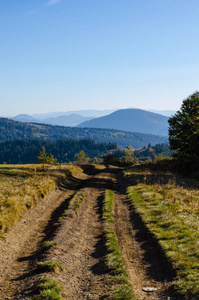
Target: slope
(13, 130)
(134, 120)
(62, 120)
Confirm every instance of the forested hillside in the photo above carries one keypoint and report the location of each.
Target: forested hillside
(26, 151)
(13, 130)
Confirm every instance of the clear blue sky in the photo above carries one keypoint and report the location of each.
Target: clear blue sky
(62, 55)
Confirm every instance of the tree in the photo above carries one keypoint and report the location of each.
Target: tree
(82, 158)
(184, 129)
(42, 157)
(46, 159)
(129, 156)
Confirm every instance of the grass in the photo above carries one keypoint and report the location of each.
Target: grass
(170, 210)
(80, 196)
(73, 204)
(47, 289)
(49, 266)
(48, 244)
(22, 186)
(114, 261)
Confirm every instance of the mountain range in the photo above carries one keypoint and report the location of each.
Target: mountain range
(133, 120)
(63, 120)
(15, 130)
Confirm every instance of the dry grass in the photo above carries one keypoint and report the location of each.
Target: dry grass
(171, 212)
(22, 186)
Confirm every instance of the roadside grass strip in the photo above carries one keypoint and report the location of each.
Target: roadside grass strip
(171, 213)
(113, 260)
(47, 289)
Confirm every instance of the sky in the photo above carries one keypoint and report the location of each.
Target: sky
(62, 55)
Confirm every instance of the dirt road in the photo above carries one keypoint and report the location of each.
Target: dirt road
(80, 245)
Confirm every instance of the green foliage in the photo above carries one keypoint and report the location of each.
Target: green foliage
(184, 130)
(46, 159)
(48, 244)
(47, 289)
(49, 266)
(82, 158)
(13, 130)
(129, 156)
(25, 152)
(153, 152)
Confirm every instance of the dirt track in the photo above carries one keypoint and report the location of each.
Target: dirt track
(81, 245)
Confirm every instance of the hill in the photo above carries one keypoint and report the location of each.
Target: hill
(62, 120)
(12, 130)
(133, 120)
(27, 151)
(25, 118)
(84, 113)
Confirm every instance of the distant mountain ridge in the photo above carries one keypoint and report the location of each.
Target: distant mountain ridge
(63, 120)
(84, 113)
(13, 130)
(75, 118)
(131, 120)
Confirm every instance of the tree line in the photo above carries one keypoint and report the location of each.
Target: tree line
(14, 130)
(27, 151)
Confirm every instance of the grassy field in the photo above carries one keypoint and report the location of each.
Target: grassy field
(169, 206)
(22, 186)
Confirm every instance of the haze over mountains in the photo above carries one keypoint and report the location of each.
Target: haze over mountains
(133, 120)
(63, 120)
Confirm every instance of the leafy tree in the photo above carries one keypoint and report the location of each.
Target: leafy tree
(82, 158)
(52, 160)
(184, 130)
(46, 159)
(42, 158)
(129, 154)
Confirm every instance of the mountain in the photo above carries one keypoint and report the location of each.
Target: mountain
(63, 120)
(85, 113)
(13, 130)
(133, 120)
(24, 118)
(70, 120)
